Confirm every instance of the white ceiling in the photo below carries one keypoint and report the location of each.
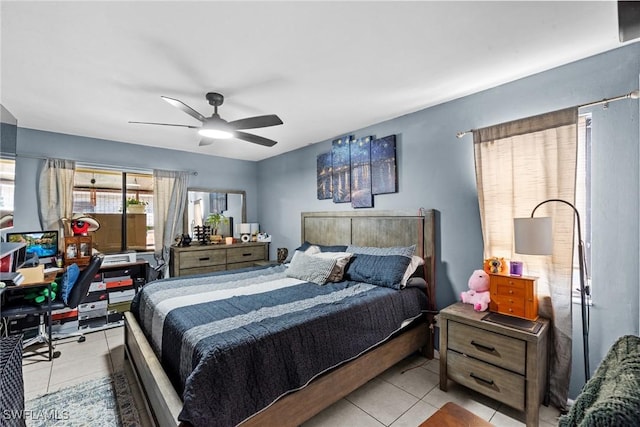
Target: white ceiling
(325, 68)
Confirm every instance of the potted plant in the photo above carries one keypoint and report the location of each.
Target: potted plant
(214, 220)
(135, 205)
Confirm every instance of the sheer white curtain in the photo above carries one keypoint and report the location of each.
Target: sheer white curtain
(55, 193)
(518, 165)
(170, 193)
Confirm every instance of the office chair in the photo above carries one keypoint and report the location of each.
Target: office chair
(78, 293)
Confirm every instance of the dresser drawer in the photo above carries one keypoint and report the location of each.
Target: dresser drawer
(487, 379)
(246, 254)
(499, 350)
(203, 258)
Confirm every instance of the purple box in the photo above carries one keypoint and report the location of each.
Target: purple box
(515, 268)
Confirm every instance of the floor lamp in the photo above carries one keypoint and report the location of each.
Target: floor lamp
(533, 237)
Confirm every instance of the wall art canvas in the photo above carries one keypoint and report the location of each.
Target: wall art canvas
(324, 177)
(361, 196)
(341, 164)
(383, 165)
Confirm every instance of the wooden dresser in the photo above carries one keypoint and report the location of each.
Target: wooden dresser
(197, 259)
(514, 296)
(506, 364)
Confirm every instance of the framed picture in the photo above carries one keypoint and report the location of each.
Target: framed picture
(361, 195)
(383, 165)
(77, 249)
(324, 181)
(341, 169)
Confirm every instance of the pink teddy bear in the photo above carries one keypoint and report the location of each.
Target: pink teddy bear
(478, 293)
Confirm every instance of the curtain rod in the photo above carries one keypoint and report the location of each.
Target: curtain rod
(631, 95)
(125, 168)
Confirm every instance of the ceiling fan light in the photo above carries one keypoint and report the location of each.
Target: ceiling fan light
(215, 133)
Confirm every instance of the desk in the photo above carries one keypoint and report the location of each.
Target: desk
(23, 308)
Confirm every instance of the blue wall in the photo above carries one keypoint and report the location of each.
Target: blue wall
(436, 170)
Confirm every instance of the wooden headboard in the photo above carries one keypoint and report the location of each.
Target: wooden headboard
(380, 229)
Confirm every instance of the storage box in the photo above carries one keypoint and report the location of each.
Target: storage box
(20, 324)
(95, 296)
(98, 286)
(64, 314)
(114, 317)
(119, 307)
(122, 282)
(121, 296)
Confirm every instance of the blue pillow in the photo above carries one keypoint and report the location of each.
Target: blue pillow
(380, 270)
(69, 278)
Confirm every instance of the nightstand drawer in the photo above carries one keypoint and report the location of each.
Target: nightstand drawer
(490, 347)
(202, 258)
(489, 380)
(246, 254)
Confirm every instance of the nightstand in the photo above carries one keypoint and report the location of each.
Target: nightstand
(506, 364)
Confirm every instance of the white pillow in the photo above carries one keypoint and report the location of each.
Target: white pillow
(342, 259)
(416, 262)
(312, 250)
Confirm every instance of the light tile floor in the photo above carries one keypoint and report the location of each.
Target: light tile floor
(404, 395)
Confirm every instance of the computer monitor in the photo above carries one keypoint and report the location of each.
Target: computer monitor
(44, 244)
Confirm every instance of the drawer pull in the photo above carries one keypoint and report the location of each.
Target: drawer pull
(511, 291)
(247, 254)
(484, 347)
(204, 259)
(476, 377)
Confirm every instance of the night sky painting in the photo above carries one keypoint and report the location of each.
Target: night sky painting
(361, 196)
(341, 169)
(325, 190)
(383, 165)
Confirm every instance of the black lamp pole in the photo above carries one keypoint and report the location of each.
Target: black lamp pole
(584, 290)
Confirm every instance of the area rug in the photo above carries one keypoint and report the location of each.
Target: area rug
(103, 402)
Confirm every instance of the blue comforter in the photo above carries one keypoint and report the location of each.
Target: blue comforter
(233, 343)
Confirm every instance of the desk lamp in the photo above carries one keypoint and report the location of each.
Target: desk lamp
(533, 237)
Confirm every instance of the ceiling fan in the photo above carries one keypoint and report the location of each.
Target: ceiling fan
(215, 127)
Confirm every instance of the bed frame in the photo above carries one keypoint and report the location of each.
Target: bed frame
(362, 228)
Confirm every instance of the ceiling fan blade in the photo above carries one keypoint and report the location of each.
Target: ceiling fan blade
(256, 122)
(184, 107)
(255, 139)
(205, 141)
(166, 124)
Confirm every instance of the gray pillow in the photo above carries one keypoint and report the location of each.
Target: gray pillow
(310, 268)
(407, 251)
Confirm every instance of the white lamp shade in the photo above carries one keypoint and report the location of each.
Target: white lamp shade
(533, 236)
(255, 227)
(245, 228)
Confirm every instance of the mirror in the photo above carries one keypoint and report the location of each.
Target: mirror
(8, 141)
(203, 201)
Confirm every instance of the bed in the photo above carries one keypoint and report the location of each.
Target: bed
(302, 377)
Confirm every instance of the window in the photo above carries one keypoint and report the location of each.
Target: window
(105, 194)
(583, 198)
(7, 186)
